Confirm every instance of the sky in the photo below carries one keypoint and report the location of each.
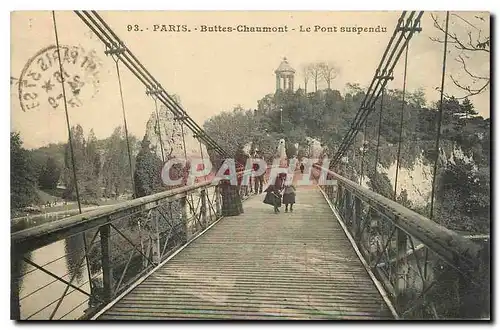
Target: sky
(213, 72)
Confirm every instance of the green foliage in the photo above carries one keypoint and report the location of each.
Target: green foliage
(116, 169)
(22, 174)
(327, 116)
(463, 188)
(49, 175)
(147, 175)
(87, 166)
(40, 156)
(381, 184)
(463, 199)
(402, 199)
(464, 193)
(320, 115)
(290, 150)
(232, 130)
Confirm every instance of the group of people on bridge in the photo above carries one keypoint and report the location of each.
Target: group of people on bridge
(280, 193)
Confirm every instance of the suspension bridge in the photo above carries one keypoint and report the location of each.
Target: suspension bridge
(210, 250)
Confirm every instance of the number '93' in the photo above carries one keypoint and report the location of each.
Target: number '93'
(134, 27)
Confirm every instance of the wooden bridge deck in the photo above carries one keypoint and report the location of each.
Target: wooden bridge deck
(261, 265)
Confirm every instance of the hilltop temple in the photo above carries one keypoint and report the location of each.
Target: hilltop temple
(284, 76)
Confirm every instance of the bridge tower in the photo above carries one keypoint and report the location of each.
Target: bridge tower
(284, 76)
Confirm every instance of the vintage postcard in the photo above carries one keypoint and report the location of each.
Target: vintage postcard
(243, 165)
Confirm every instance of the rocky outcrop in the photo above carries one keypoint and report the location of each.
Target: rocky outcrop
(172, 135)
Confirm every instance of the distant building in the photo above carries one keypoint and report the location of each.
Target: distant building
(284, 76)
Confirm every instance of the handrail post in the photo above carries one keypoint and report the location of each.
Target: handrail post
(107, 270)
(339, 195)
(348, 206)
(184, 219)
(203, 209)
(332, 189)
(157, 237)
(15, 272)
(217, 201)
(356, 218)
(400, 283)
(325, 188)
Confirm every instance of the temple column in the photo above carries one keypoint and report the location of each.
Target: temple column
(278, 87)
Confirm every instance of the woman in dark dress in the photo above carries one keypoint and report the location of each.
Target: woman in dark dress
(231, 199)
(273, 197)
(289, 197)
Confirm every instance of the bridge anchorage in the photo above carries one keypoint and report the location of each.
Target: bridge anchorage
(353, 247)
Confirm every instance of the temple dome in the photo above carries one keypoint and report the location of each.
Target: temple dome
(284, 67)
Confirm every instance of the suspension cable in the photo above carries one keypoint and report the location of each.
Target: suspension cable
(202, 158)
(353, 167)
(184, 146)
(381, 77)
(103, 31)
(363, 155)
(67, 115)
(184, 141)
(109, 38)
(71, 145)
(379, 126)
(201, 151)
(440, 115)
(159, 129)
(125, 125)
(186, 158)
(398, 160)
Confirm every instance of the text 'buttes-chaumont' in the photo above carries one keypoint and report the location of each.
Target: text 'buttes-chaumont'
(242, 28)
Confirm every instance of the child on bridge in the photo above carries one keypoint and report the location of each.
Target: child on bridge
(289, 197)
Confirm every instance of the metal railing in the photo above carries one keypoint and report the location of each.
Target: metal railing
(55, 275)
(424, 270)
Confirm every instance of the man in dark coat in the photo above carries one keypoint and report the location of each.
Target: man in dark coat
(259, 180)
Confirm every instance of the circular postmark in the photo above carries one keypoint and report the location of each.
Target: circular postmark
(40, 83)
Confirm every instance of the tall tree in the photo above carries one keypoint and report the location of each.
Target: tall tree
(468, 109)
(22, 174)
(87, 166)
(70, 171)
(306, 75)
(328, 71)
(315, 69)
(92, 167)
(233, 130)
(147, 174)
(49, 175)
(115, 170)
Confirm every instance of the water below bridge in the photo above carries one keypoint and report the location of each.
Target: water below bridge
(39, 292)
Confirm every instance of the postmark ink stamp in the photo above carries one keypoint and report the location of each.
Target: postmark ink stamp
(41, 78)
